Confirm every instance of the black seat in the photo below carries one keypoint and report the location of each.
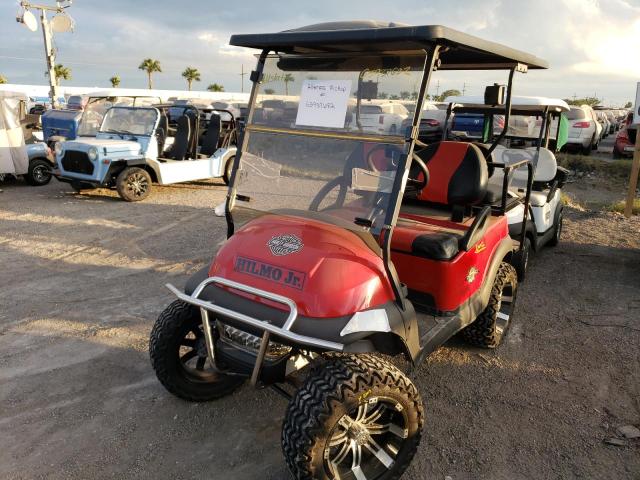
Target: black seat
(180, 145)
(212, 137)
(161, 133)
(436, 245)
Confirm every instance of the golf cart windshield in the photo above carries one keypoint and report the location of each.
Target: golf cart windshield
(326, 136)
(98, 106)
(130, 120)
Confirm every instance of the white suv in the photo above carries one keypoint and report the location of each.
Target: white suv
(382, 118)
(584, 129)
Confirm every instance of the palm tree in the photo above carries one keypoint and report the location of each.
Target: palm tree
(191, 75)
(62, 72)
(150, 66)
(287, 78)
(115, 81)
(3, 79)
(215, 87)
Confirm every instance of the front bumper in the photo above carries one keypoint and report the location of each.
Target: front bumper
(77, 181)
(281, 332)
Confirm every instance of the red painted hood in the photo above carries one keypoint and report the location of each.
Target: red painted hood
(327, 270)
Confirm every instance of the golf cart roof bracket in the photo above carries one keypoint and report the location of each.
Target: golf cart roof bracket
(507, 115)
(256, 76)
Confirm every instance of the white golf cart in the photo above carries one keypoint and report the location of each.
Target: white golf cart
(536, 129)
(136, 146)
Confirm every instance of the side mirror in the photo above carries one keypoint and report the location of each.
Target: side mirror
(494, 95)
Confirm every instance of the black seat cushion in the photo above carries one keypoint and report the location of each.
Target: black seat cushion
(212, 137)
(436, 245)
(180, 145)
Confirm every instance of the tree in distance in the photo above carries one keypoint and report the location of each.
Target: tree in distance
(150, 66)
(191, 75)
(215, 87)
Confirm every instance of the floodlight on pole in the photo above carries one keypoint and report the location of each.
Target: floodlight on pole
(61, 22)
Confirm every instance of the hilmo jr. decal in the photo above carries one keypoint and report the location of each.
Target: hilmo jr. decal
(281, 275)
(284, 244)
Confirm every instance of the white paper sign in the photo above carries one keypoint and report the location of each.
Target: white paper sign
(636, 108)
(323, 103)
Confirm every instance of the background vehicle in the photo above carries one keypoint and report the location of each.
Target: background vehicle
(603, 120)
(136, 146)
(584, 130)
(343, 244)
(67, 124)
(614, 124)
(77, 102)
(382, 117)
(625, 139)
(536, 129)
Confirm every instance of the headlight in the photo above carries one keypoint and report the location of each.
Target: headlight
(58, 148)
(92, 153)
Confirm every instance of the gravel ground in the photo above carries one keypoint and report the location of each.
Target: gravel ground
(82, 283)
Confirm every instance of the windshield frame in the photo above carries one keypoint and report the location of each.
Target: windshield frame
(113, 132)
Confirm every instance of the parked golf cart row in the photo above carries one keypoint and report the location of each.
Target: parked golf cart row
(345, 243)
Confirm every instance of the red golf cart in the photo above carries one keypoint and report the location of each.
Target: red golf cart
(345, 243)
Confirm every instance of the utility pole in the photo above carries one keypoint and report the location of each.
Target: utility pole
(61, 23)
(438, 88)
(464, 88)
(242, 74)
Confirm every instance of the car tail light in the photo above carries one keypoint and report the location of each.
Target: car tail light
(381, 119)
(432, 122)
(582, 125)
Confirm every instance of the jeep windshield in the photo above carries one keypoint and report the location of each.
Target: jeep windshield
(97, 107)
(130, 121)
(319, 145)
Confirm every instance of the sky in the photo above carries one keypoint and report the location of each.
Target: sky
(593, 46)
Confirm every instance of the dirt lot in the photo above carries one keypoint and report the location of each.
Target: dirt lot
(82, 282)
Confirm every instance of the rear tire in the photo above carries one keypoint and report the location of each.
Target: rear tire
(179, 356)
(353, 411)
(228, 167)
(133, 184)
(520, 260)
(39, 173)
(557, 233)
(491, 325)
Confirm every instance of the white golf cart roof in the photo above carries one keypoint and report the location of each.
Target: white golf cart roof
(14, 95)
(122, 92)
(517, 102)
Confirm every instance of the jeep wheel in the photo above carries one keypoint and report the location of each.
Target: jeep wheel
(179, 356)
(356, 416)
(488, 329)
(39, 173)
(557, 233)
(228, 167)
(133, 184)
(520, 259)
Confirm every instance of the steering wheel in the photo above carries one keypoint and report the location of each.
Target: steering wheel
(371, 161)
(341, 183)
(418, 175)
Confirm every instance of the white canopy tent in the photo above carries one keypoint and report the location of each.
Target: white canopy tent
(13, 152)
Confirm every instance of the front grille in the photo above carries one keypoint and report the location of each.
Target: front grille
(250, 342)
(77, 162)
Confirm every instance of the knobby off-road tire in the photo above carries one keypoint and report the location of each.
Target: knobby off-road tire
(489, 328)
(319, 424)
(133, 184)
(179, 357)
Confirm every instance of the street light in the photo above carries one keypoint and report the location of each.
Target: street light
(61, 22)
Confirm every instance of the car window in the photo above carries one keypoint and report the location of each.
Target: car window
(576, 114)
(370, 109)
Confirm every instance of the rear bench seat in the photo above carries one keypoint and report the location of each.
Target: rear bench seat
(458, 179)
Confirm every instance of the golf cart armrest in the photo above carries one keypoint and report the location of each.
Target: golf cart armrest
(476, 230)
